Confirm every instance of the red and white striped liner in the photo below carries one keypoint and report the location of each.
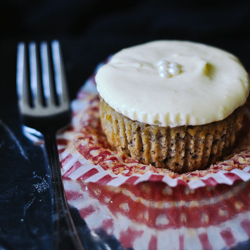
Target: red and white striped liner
(77, 163)
(180, 219)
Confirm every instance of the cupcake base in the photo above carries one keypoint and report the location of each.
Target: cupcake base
(180, 149)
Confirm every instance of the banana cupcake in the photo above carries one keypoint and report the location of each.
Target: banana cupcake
(172, 104)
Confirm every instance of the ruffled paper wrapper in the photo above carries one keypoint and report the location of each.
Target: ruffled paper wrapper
(149, 208)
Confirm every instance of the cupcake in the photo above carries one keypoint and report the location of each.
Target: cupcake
(172, 104)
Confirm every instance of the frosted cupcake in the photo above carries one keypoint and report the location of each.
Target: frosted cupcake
(172, 104)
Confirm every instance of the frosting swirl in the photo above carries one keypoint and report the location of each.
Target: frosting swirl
(209, 86)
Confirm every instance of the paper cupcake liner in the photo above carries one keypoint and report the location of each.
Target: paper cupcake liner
(85, 154)
(152, 216)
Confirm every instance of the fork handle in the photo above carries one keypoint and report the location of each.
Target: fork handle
(65, 235)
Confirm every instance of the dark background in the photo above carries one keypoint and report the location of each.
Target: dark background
(89, 31)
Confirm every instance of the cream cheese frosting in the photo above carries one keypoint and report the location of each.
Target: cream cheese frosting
(209, 85)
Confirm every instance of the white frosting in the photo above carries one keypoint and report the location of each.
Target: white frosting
(210, 86)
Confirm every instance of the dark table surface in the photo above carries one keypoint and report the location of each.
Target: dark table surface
(89, 31)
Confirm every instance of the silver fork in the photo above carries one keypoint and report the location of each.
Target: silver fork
(44, 105)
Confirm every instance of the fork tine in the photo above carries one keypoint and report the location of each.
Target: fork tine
(60, 80)
(21, 78)
(47, 75)
(35, 82)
